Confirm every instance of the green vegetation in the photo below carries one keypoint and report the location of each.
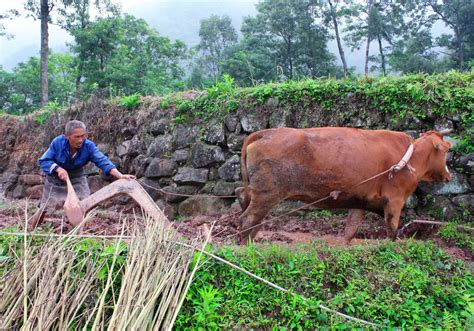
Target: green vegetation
(130, 102)
(115, 53)
(319, 213)
(315, 101)
(403, 284)
(465, 142)
(419, 96)
(451, 232)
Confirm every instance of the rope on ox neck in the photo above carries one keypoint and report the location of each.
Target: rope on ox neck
(403, 162)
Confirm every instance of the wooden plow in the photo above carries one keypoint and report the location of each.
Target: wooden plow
(76, 209)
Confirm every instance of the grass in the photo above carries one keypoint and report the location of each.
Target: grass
(139, 282)
(452, 233)
(406, 284)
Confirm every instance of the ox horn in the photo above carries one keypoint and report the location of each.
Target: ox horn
(445, 132)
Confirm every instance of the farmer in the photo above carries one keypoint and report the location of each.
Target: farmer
(66, 157)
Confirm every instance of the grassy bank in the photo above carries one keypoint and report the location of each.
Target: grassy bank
(406, 284)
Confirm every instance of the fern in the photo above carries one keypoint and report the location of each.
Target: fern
(470, 303)
(448, 321)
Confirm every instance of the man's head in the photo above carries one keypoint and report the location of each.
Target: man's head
(75, 133)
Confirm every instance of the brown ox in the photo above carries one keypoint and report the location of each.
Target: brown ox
(309, 164)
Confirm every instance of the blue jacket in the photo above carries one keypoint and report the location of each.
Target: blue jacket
(57, 155)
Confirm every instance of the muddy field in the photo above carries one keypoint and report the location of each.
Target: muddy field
(305, 227)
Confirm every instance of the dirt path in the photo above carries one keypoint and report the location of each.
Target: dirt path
(290, 230)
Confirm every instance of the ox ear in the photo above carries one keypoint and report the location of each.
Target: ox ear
(440, 147)
(445, 132)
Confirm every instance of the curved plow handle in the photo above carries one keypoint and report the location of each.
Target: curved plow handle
(129, 187)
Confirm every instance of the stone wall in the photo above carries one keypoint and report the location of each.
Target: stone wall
(200, 160)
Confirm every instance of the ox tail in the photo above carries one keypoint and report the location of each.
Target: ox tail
(243, 193)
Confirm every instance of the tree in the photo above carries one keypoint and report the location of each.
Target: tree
(8, 15)
(314, 59)
(125, 55)
(415, 53)
(76, 16)
(333, 12)
(62, 73)
(249, 66)
(457, 15)
(284, 41)
(18, 90)
(25, 85)
(416, 45)
(6, 79)
(217, 36)
(375, 20)
(253, 59)
(42, 9)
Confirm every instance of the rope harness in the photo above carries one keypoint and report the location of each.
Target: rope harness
(335, 194)
(404, 162)
(182, 194)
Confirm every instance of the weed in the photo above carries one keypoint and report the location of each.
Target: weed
(451, 232)
(179, 218)
(205, 302)
(319, 213)
(180, 118)
(224, 86)
(465, 145)
(130, 102)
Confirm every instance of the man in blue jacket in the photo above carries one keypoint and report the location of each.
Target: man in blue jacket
(66, 157)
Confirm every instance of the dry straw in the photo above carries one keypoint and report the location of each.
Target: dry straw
(55, 286)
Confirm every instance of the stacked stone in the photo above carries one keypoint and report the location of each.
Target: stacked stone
(198, 164)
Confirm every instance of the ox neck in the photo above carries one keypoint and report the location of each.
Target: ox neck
(421, 156)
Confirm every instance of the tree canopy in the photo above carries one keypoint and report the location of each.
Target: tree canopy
(284, 40)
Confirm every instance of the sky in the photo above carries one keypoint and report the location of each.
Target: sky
(176, 19)
(161, 14)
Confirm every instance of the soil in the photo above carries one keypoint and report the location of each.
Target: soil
(306, 227)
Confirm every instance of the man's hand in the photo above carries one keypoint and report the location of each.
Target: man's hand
(117, 174)
(62, 174)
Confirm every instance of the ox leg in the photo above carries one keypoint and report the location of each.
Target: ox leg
(392, 217)
(250, 226)
(243, 197)
(250, 220)
(353, 221)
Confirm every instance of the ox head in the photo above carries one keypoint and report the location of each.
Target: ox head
(437, 168)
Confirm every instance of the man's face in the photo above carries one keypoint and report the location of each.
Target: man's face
(76, 138)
